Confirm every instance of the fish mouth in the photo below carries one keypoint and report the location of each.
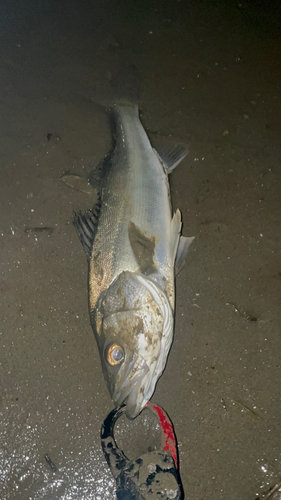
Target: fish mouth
(133, 391)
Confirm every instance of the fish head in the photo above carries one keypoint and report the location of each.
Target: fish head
(134, 326)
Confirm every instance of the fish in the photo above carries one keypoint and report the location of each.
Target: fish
(134, 246)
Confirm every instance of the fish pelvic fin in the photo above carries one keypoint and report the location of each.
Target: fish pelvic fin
(176, 224)
(182, 250)
(179, 244)
(171, 155)
(86, 227)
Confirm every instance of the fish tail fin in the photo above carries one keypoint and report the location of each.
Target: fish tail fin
(128, 86)
(127, 94)
(119, 86)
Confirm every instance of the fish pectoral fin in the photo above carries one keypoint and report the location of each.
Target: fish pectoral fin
(86, 227)
(143, 248)
(182, 250)
(172, 155)
(79, 183)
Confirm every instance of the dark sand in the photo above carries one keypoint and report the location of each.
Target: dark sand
(210, 76)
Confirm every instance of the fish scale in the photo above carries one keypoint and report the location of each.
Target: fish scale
(135, 190)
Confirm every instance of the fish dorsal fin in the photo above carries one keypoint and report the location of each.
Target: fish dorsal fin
(172, 155)
(79, 183)
(86, 227)
(182, 250)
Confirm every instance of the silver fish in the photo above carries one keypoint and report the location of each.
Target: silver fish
(133, 245)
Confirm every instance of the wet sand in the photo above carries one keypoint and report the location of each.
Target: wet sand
(210, 76)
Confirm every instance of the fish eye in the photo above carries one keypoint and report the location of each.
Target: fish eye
(114, 354)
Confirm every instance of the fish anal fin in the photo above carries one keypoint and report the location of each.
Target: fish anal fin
(182, 250)
(172, 155)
